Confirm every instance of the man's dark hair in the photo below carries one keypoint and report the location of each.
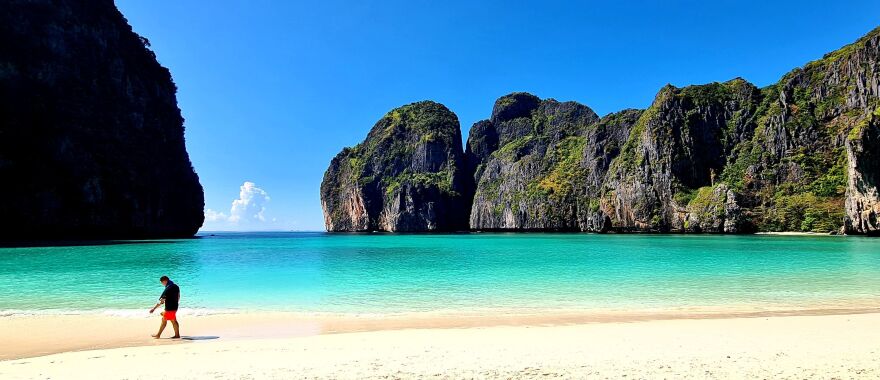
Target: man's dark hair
(163, 278)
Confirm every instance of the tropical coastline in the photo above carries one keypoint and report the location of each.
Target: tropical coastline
(700, 203)
(314, 284)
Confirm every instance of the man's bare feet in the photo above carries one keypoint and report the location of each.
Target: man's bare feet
(175, 337)
(155, 336)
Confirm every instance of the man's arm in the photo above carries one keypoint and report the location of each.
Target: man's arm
(161, 301)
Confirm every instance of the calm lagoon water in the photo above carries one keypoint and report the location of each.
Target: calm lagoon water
(382, 273)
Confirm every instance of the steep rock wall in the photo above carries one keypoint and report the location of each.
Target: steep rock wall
(91, 138)
(409, 175)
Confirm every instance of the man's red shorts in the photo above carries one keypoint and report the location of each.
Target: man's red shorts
(170, 315)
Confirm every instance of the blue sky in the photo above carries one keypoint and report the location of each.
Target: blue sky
(272, 90)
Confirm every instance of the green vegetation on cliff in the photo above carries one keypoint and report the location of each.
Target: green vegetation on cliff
(388, 147)
(565, 171)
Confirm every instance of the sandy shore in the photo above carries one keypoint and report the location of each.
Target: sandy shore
(815, 346)
(38, 335)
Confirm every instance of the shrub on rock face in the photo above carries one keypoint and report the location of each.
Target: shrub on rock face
(408, 175)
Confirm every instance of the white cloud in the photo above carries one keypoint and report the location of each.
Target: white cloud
(248, 211)
(214, 216)
(250, 205)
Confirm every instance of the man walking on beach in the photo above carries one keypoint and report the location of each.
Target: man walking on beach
(171, 298)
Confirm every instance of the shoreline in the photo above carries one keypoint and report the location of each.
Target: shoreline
(799, 233)
(37, 335)
(817, 346)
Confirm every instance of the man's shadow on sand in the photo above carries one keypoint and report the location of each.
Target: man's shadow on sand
(200, 337)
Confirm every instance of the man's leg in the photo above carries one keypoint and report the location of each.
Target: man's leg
(176, 328)
(161, 327)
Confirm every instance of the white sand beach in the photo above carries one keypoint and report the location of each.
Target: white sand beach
(811, 346)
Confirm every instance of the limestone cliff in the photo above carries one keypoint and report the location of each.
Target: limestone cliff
(678, 145)
(798, 155)
(407, 176)
(91, 138)
(863, 167)
(795, 173)
(546, 165)
(529, 180)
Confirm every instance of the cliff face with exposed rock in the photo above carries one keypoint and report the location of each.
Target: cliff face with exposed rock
(805, 167)
(523, 183)
(91, 138)
(407, 176)
(863, 168)
(664, 178)
(799, 155)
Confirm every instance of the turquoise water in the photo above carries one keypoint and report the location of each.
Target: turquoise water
(377, 273)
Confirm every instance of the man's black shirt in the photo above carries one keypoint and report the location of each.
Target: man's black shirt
(171, 295)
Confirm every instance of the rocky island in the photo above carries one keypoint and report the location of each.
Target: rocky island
(408, 175)
(802, 154)
(91, 138)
